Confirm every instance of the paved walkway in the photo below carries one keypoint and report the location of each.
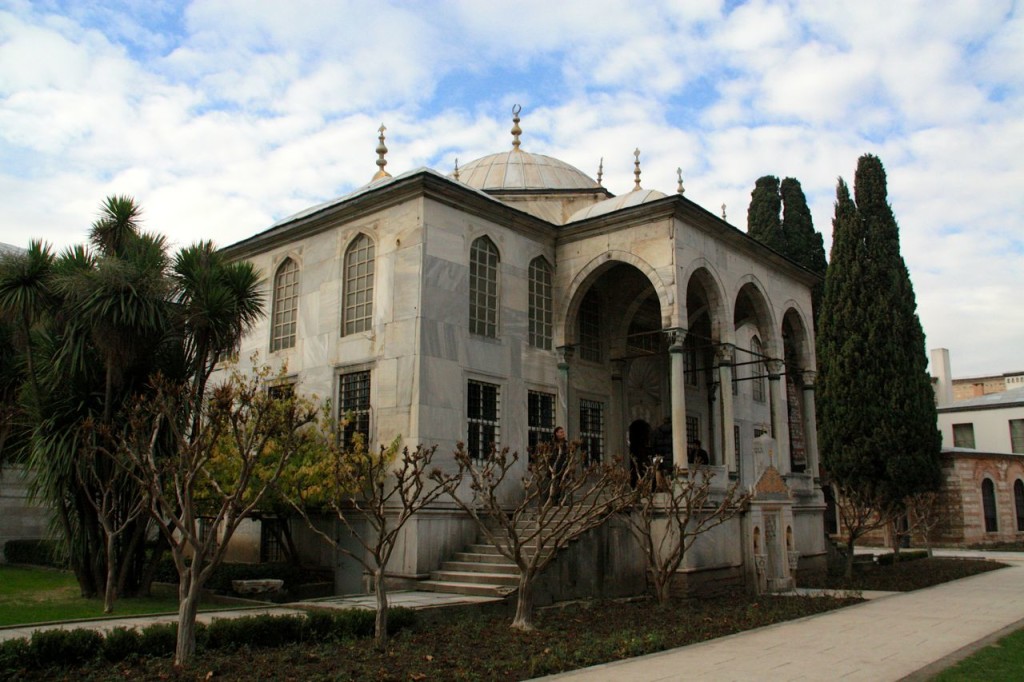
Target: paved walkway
(891, 637)
(903, 635)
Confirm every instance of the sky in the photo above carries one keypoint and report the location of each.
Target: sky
(221, 117)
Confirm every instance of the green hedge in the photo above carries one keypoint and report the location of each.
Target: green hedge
(35, 552)
(68, 648)
(905, 555)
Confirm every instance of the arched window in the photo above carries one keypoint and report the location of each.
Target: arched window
(285, 309)
(483, 288)
(589, 322)
(758, 370)
(1018, 499)
(988, 503)
(357, 313)
(540, 304)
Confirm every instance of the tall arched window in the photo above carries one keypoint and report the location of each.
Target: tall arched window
(589, 322)
(357, 313)
(285, 308)
(988, 503)
(540, 304)
(483, 288)
(1018, 500)
(757, 371)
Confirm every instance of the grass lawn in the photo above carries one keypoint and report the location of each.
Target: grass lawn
(39, 595)
(1003, 660)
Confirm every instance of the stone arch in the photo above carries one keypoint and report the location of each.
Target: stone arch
(565, 319)
(796, 337)
(704, 276)
(751, 302)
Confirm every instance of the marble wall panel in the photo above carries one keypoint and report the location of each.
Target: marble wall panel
(439, 339)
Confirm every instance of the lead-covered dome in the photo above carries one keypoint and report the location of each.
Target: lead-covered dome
(634, 198)
(516, 169)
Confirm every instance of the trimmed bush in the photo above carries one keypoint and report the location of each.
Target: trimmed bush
(64, 647)
(34, 552)
(905, 555)
(264, 631)
(120, 644)
(159, 639)
(15, 655)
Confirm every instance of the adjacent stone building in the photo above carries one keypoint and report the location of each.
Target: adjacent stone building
(517, 293)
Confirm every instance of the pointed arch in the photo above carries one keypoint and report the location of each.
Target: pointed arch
(357, 282)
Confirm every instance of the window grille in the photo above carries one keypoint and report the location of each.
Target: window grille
(540, 417)
(285, 308)
(354, 406)
(482, 410)
(540, 304)
(592, 429)
(483, 288)
(359, 268)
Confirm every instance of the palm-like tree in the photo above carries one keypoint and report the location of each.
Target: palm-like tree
(26, 293)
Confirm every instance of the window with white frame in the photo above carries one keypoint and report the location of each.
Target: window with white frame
(483, 288)
(540, 411)
(354, 406)
(285, 306)
(357, 313)
(590, 327)
(592, 429)
(540, 304)
(483, 405)
(963, 436)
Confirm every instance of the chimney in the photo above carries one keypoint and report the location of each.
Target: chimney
(941, 373)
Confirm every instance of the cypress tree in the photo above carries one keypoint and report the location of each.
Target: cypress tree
(803, 244)
(763, 223)
(876, 410)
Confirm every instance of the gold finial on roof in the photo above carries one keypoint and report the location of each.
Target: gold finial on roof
(516, 130)
(636, 169)
(723, 211)
(382, 149)
(679, 174)
(600, 171)
(456, 173)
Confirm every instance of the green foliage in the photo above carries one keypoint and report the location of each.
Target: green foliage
(15, 655)
(34, 552)
(876, 410)
(763, 223)
(804, 244)
(255, 631)
(1003, 660)
(220, 580)
(158, 639)
(64, 647)
(121, 644)
(904, 555)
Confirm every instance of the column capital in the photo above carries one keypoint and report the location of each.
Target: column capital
(809, 376)
(725, 354)
(676, 336)
(564, 355)
(776, 368)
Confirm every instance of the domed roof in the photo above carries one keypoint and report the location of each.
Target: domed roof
(516, 169)
(634, 198)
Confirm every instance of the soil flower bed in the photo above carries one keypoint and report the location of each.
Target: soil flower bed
(904, 576)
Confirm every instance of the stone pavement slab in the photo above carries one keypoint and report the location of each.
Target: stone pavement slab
(883, 639)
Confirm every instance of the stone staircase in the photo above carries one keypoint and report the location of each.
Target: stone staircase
(477, 570)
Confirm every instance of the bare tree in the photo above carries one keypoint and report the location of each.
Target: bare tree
(860, 512)
(925, 512)
(373, 496)
(563, 496)
(115, 497)
(218, 464)
(666, 524)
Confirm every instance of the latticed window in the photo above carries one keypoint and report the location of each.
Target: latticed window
(592, 429)
(590, 327)
(963, 436)
(358, 309)
(988, 503)
(758, 370)
(483, 288)
(482, 411)
(285, 309)
(690, 361)
(540, 304)
(271, 547)
(692, 430)
(540, 410)
(354, 406)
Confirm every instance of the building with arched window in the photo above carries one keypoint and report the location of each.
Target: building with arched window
(516, 293)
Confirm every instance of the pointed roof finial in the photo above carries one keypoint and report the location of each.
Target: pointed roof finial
(600, 171)
(382, 149)
(679, 174)
(516, 130)
(636, 169)
(723, 211)
(456, 173)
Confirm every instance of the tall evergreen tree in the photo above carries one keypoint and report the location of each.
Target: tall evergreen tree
(763, 222)
(803, 244)
(876, 411)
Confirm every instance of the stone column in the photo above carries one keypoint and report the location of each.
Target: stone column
(726, 355)
(780, 414)
(562, 415)
(677, 387)
(616, 417)
(811, 425)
